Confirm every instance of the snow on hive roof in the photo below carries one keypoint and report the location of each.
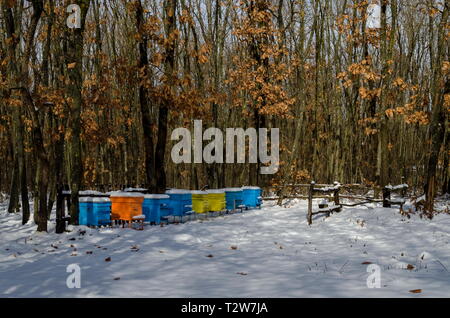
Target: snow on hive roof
(84, 193)
(94, 200)
(251, 188)
(120, 194)
(178, 191)
(135, 190)
(90, 192)
(156, 196)
(216, 191)
(199, 192)
(232, 189)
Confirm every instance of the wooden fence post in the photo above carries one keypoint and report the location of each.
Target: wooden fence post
(67, 188)
(336, 194)
(386, 197)
(310, 198)
(404, 190)
(60, 211)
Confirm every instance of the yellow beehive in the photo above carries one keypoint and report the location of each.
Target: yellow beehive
(216, 200)
(200, 201)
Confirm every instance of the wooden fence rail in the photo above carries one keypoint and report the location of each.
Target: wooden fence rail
(335, 207)
(333, 192)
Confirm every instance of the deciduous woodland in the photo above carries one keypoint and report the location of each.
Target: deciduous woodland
(96, 105)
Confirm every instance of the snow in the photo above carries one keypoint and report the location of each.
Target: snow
(397, 201)
(232, 189)
(120, 194)
(135, 190)
(270, 252)
(328, 189)
(91, 192)
(215, 191)
(178, 191)
(251, 188)
(397, 187)
(330, 208)
(94, 199)
(156, 196)
(85, 193)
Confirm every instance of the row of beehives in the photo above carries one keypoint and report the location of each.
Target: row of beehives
(129, 205)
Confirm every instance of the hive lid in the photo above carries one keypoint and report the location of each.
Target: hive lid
(101, 200)
(216, 191)
(178, 191)
(251, 188)
(120, 194)
(84, 193)
(90, 192)
(232, 189)
(156, 196)
(93, 200)
(135, 190)
(199, 192)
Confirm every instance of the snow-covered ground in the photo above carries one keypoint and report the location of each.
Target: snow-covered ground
(261, 253)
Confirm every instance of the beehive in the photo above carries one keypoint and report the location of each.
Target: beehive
(126, 205)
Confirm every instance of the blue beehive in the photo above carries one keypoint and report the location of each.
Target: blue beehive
(166, 208)
(151, 207)
(252, 197)
(180, 201)
(234, 198)
(101, 211)
(85, 211)
(94, 211)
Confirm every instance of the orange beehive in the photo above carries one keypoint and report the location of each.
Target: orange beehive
(124, 206)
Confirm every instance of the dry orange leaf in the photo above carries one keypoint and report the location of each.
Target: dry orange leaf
(416, 291)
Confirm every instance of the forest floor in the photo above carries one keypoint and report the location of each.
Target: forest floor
(270, 252)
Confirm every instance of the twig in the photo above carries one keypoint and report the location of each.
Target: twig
(442, 265)
(340, 271)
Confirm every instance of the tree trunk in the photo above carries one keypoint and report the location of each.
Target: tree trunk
(74, 63)
(18, 127)
(170, 7)
(147, 122)
(441, 87)
(13, 206)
